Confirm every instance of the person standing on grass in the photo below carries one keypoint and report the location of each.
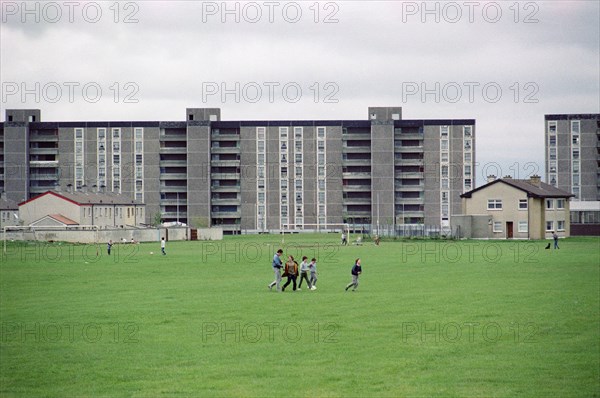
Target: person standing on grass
(304, 273)
(313, 273)
(277, 265)
(344, 239)
(356, 271)
(555, 237)
(163, 243)
(291, 271)
(109, 246)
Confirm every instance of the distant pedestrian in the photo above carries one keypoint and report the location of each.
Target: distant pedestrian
(555, 237)
(109, 246)
(291, 271)
(344, 238)
(313, 273)
(356, 271)
(304, 273)
(277, 265)
(163, 243)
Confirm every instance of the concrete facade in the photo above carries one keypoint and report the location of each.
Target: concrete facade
(205, 172)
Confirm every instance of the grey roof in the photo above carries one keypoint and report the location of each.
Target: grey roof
(543, 191)
(7, 204)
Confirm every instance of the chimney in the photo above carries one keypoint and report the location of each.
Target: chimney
(491, 178)
(535, 180)
(508, 177)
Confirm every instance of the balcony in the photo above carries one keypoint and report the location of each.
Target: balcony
(410, 201)
(43, 177)
(412, 174)
(227, 149)
(408, 162)
(408, 136)
(225, 188)
(356, 136)
(409, 188)
(173, 202)
(226, 214)
(228, 201)
(178, 162)
(356, 174)
(174, 214)
(172, 149)
(166, 188)
(408, 149)
(43, 163)
(356, 201)
(173, 176)
(225, 176)
(225, 163)
(356, 162)
(220, 136)
(173, 137)
(43, 151)
(356, 188)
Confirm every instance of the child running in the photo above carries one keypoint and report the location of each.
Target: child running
(313, 273)
(356, 271)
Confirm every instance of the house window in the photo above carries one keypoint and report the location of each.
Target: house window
(444, 145)
(549, 204)
(522, 226)
(494, 204)
(497, 226)
(561, 226)
(549, 225)
(560, 203)
(552, 153)
(522, 204)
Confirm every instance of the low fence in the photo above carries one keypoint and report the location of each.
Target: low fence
(116, 235)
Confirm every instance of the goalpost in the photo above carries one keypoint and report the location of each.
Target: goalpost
(33, 229)
(307, 228)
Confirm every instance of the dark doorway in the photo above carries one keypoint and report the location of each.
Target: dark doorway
(509, 230)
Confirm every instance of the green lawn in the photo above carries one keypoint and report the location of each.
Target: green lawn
(430, 318)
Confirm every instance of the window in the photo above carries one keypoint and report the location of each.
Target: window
(467, 170)
(552, 153)
(552, 140)
(444, 145)
(576, 166)
(444, 131)
(523, 205)
(444, 157)
(522, 226)
(552, 127)
(575, 153)
(549, 204)
(561, 226)
(467, 145)
(467, 157)
(549, 225)
(497, 226)
(467, 130)
(560, 203)
(494, 204)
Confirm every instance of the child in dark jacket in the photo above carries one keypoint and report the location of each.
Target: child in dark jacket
(356, 271)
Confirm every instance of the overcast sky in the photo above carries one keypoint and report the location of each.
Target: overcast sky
(513, 62)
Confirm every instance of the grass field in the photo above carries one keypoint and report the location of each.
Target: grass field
(430, 318)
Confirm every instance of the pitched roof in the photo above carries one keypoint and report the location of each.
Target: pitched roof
(81, 198)
(59, 218)
(543, 191)
(62, 219)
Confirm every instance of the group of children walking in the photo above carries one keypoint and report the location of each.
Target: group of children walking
(291, 270)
